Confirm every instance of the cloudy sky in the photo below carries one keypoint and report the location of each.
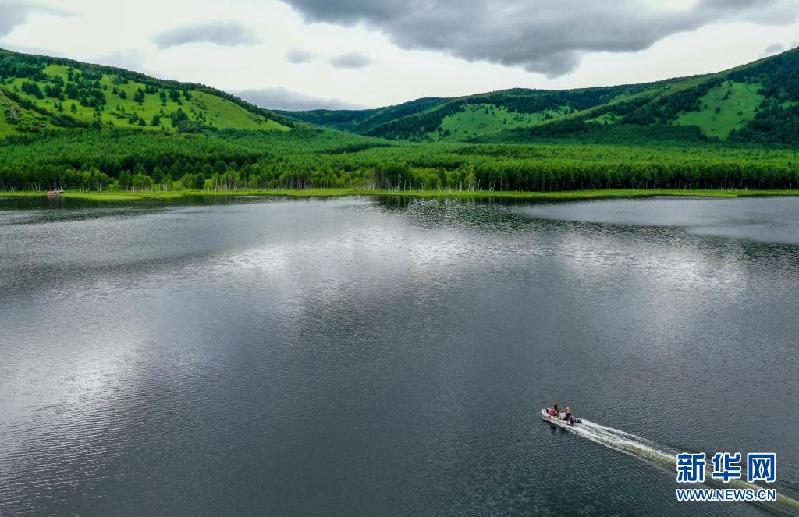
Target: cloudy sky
(302, 54)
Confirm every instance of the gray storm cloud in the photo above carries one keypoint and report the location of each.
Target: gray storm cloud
(227, 34)
(545, 36)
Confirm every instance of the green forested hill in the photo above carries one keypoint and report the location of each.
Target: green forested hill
(78, 126)
(39, 93)
(754, 103)
(457, 119)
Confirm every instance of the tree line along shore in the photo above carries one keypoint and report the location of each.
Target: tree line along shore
(122, 161)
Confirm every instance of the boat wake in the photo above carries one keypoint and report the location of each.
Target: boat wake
(663, 457)
(627, 443)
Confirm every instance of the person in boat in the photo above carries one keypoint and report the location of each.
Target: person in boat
(553, 411)
(568, 417)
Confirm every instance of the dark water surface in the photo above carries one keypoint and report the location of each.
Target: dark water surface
(353, 356)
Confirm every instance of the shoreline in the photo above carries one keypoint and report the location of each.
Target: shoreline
(566, 195)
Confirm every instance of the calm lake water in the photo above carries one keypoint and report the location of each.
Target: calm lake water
(383, 357)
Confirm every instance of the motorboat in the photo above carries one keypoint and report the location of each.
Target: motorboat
(560, 420)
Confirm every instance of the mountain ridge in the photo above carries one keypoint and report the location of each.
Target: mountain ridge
(757, 102)
(737, 104)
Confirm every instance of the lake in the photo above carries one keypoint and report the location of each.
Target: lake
(390, 357)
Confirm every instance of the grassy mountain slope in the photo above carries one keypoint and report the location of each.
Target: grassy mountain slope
(39, 93)
(724, 109)
(757, 102)
(454, 119)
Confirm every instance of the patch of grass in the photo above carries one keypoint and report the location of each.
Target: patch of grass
(224, 114)
(480, 119)
(571, 195)
(724, 108)
(8, 128)
(606, 118)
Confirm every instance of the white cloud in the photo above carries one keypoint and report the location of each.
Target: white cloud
(286, 100)
(129, 59)
(17, 12)
(351, 60)
(226, 34)
(774, 48)
(298, 56)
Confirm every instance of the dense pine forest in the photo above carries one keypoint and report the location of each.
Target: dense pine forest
(304, 158)
(76, 126)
